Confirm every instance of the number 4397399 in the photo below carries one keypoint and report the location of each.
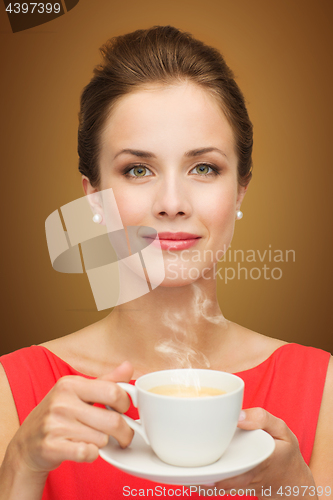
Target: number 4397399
(33, 8)
(297, 491)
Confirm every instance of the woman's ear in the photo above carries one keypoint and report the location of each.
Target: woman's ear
(241, 193)
(94, 199)
(87, 187)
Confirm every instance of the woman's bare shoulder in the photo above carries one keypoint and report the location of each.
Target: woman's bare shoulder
(257, 340)
(9, 421)
(83, 350)
(252, 347)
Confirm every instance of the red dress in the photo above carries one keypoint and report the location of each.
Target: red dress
(289, 384)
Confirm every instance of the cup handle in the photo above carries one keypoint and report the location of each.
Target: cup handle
(134, 424)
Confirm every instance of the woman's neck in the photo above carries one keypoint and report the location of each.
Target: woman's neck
(169, 326)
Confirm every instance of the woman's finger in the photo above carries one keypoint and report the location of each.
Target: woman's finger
(72, 450)
(122, 373)
(78, 432)
(107, 422)
(94, 391)
(258, 418)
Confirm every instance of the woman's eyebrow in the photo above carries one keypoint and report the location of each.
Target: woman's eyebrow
(200, 151)
(136, 152)
(148, 154)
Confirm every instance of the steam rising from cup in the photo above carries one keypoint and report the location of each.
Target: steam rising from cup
(179, 347)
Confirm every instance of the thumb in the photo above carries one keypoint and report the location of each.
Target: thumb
(258, 418)
(122, 373)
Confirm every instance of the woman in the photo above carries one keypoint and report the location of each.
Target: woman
(164, 125)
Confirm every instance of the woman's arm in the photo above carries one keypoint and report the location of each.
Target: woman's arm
(15, 480)
(321, 463)
(9, 421)
(285, 474)
(63, 426)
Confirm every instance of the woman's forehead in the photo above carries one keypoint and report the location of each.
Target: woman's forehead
(184, 115)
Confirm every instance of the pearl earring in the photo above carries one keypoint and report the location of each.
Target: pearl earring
(239, 214)
(97, 218)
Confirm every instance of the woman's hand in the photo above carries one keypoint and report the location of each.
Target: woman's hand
(283, 470)
(65, 425)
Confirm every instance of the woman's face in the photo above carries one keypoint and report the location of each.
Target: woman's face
(179, 177)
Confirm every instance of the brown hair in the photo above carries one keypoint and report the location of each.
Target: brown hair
(159, 55)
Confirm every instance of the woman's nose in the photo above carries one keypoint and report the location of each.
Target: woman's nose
(172, 200)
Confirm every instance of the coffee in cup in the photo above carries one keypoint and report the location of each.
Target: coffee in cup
(186, 391)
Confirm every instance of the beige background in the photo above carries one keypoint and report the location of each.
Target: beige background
(281, 53)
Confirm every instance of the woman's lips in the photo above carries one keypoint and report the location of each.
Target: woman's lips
(174, 241)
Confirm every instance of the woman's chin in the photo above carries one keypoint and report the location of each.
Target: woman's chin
(183, 279)
(176, 283)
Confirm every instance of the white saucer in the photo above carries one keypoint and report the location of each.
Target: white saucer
(246, 450)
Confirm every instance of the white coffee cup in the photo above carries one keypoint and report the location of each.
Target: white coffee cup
(187, 431)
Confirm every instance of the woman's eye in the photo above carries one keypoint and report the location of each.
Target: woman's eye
(204, 169)
(139, 171)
